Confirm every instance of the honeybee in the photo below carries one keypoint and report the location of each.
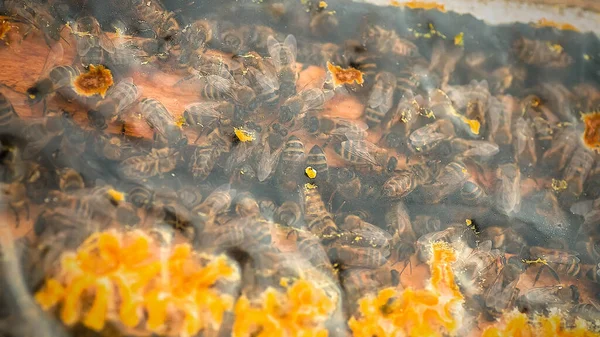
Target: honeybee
(558, 262)
(311, 248)
(291, 163)
(41, 16)
(245, 205)
(472, 193)
(162, 122)
(307, 101)
(508, 189)
(397, 220)
(161, 22)
(500, 119)
(92, 42)
(427, 138)
(335, 128)
(39, 133)
(250, 234)
(59, 77)
(360, 282)
(197, 34)
(217, 202)
(207, 115)
(69, 180)
(458, 236)
(112, 148)
(284, 58)
(362, 153)
(502, 294)
(381, 98)
(156, 162)
(576, 173)
(404, 182)
(203, 158)
(265, 84)
(542, 53)
(189, 196)
(524, 142)
(449, 180)
(465, 148)
(505, 239)
(318, 220)
(543, 299)
(357, 232)
(387, 42)
(403, 118)
(38, 181)
(223, 87)
(318, 160)
(473, 98)
(357, 257)
(116, 101)
(347, 183)
(289, 214)
(425, 224)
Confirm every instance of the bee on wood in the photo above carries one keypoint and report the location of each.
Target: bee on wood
(93, 45)
(207, 115)
(357, 232)
(117, 100)
(162, 122)
(203, 158)
(449, 180)
(299, 105)
(427, 138)
(59, 78)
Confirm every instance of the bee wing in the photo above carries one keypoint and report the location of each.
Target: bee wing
(203, 109)
(363, 150)
(106, 43)
(221, 84)
(353, 129)
(267, 162)
(313, 100)
(84, 44)
(274, 48)
(265, 81)
(482, 149)
(55, 56)
(291, 44)
(381, 98)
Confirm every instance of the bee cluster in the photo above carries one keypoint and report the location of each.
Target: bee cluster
(494, 153)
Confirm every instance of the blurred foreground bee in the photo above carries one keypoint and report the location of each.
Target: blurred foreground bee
(542, 53)
(307, 101)
(207, 115)
(544, 299)
(162, 122)
(8, 117)
(357, 232)
(58, 78)
(505, 239)
(117, 100)
(449, 179)
(14, 196)
(381, 98)
(284, 58)
(69, 180)
(39, 15)
(204, 158)
(93, 45)
(508, 188)
(156, 162)
(318, 220)
(357, 257)
(291, 163)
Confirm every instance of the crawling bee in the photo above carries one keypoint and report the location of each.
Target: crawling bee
(93, 45)
(318, 220)
(161, 23)
(217, 202)
(576, 173)
(311, 248)
(317, 159)
(381, 98)
(70, 180)
(197, 34)
(59, 77)
(291, 163)
(284, 58)
(207, 115)
(427, 138)
(162, 122)
(508, 188)
(117, 100)
(357, 257)
(503, 292)
(41, 16)
(156, 162)
(449, 180)
(307, 101)
(542, 53)
(204, 157)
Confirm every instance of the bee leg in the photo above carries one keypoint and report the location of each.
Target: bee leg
(407, 263)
